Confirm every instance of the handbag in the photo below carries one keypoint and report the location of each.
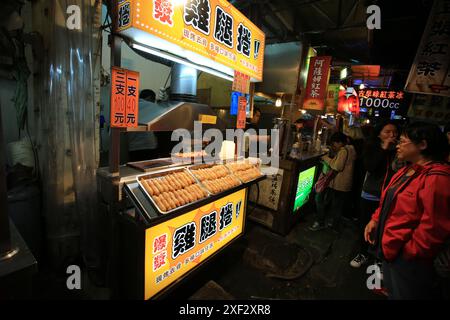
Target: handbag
(326, 176)
(324, 180)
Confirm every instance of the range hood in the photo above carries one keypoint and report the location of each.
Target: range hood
(181, 111)
(172, 115)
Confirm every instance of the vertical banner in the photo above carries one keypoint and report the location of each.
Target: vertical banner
(118, 97)
(430, 73)
(316, 86)
(124, 98)
(240, 123)
(331, 103)
(241, 82)
(132, 98)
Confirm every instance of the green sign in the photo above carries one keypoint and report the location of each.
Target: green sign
(304, 187)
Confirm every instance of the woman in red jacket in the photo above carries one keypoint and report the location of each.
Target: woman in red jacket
(412, 222)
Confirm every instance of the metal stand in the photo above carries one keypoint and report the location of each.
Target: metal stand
(6, 249)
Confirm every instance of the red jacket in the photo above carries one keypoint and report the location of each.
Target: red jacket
(419, 219)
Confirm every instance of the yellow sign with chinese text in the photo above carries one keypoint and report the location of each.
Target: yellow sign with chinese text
(176, 246)
(213, 29)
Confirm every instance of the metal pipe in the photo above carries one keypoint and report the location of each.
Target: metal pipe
(5, 236)
(116, 43)
(183, 83)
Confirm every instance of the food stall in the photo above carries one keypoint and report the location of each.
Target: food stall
(170, 216)
(281, 200)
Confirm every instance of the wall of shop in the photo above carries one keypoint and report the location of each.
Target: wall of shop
(219, 89)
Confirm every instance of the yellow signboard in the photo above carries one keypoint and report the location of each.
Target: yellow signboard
(207, 119)
(212, 29)
(174, 247)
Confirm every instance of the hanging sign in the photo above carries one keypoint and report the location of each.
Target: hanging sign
(242, 112)
(195, 30)
(316, 86)
(124, 98)
(241, 83)
(331, 102)
(382, 102)
(348, 101)
(430, 73)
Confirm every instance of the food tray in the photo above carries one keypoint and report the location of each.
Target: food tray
(206, 182)
(159, 177)
(252, 163)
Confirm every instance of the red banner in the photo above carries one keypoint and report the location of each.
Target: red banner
(241, 113)
(316, 86)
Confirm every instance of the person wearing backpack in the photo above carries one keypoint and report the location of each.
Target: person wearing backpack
(412, 223)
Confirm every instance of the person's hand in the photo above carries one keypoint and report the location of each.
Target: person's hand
(388, 143)
(370, 229)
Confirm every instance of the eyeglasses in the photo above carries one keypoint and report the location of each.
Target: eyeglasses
(403, 142)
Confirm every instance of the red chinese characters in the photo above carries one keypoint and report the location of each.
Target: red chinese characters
(159, 260)
(160, 243)
(163, 11)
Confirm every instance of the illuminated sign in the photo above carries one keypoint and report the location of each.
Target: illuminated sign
(348, 101)
(304, 187)
(316, 86)
(177, 246)
(195, 30)
(383, 100)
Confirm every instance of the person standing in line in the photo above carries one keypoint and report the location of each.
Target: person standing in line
(333, 200)
(378, 158)
(412, 223)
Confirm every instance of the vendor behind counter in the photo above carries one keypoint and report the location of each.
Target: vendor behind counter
(143, 145)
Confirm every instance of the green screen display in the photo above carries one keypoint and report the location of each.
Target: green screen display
(304, 187)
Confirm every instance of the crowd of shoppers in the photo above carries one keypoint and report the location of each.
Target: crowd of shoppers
(404, 205)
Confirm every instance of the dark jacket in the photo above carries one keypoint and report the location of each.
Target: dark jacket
(378, 166)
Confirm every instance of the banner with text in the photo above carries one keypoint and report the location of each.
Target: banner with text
(213, 29)
(430, 73)
(316, 86)
(176, 246)
(124, 98)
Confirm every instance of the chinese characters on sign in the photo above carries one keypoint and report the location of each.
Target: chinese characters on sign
(383, 103)
(316, 87)
(241, 83)
(178, 245)
(132, 99)
(197, 13)
(124, 98)
(163, 11)
(213, 29)
(223, 30)
(430, 71)
(124, 15)
(244, 40)
(242, 104)
(184, 239)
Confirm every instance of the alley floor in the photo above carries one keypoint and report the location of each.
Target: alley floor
(303, 265)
